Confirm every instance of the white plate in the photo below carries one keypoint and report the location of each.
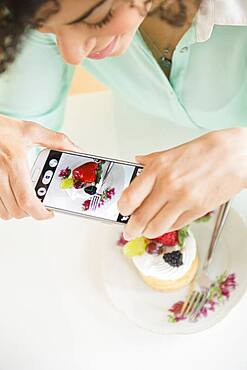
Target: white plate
(148, 308)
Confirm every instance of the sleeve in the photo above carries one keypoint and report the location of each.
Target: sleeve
(35, 86)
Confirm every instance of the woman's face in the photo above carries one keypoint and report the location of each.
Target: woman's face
(93, 28)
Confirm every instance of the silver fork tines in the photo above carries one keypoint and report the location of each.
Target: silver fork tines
(94, 202)
(97, 197)
(201, 302)
(197, 299)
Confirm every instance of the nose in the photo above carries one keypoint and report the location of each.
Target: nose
(74, 47)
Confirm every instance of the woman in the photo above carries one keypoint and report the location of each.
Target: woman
(170, 58)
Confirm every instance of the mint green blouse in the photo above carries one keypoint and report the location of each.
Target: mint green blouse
(207, 86)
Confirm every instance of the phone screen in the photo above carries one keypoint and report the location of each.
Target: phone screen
(85, 185)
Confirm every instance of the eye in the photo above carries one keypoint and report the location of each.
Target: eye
(102, 22)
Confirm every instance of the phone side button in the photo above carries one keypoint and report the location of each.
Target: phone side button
(47, 177)
(41, 192)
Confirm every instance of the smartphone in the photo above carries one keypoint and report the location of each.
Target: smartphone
(81, 184)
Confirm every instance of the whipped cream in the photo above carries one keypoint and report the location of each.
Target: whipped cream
(155, 266)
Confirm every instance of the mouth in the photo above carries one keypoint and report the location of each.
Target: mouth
(106, 52)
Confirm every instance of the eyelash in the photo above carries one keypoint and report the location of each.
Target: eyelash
(103, 22)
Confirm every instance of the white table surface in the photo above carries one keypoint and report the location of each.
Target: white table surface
(54, 314)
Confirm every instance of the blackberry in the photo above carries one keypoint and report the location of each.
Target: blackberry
(91, 190)
(175, 258)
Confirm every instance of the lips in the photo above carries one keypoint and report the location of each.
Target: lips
(106, 52)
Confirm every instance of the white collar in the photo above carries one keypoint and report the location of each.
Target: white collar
(219, 12)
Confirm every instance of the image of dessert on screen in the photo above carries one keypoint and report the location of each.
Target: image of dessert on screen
(89, 186)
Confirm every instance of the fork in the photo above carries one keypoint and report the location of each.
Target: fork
(97, 197)
(197, 299)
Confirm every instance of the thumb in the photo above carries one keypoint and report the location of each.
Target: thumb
(145, 159)
(52, 139)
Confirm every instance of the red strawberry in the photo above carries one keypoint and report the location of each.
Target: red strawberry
(169, 239)
(87, 172)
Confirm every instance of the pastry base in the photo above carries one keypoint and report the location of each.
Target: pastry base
(171, 285)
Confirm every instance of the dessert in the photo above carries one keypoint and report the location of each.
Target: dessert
(166, 263)
(85, 181)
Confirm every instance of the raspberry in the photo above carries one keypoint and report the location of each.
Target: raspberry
(86, 205)
(169, 239)
(65, 173)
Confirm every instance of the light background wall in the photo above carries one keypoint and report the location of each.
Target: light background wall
(83, 82)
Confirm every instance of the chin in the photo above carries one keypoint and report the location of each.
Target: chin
(120, 51)
(123, 46)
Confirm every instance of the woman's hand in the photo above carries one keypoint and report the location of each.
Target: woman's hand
(182, 184)
(17, 195)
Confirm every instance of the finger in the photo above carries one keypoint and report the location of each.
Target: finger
(9, 200)
(186, 219)
(4, 215)
(24, 192)
(51, 139)
(139, 220)
(145, 159)
(163, 220)
(136, 192)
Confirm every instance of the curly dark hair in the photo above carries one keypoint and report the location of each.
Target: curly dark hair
(17, 17)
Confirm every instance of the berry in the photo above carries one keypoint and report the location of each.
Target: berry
(87, 172)
(78, 185)
(174, 259)
(135, 247)
(67, 183)
(86, 205)
(90, 190)
(65, 173)
(121, 242)
(154, 248)
(169, 239)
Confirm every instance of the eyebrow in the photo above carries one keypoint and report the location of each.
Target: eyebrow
(88, 13)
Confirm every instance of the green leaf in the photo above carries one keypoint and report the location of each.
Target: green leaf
(205, 218)
(182, 235)
(221, 278)
(171, 318)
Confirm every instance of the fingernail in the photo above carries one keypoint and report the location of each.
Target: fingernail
(127, 236)
(50, 214)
